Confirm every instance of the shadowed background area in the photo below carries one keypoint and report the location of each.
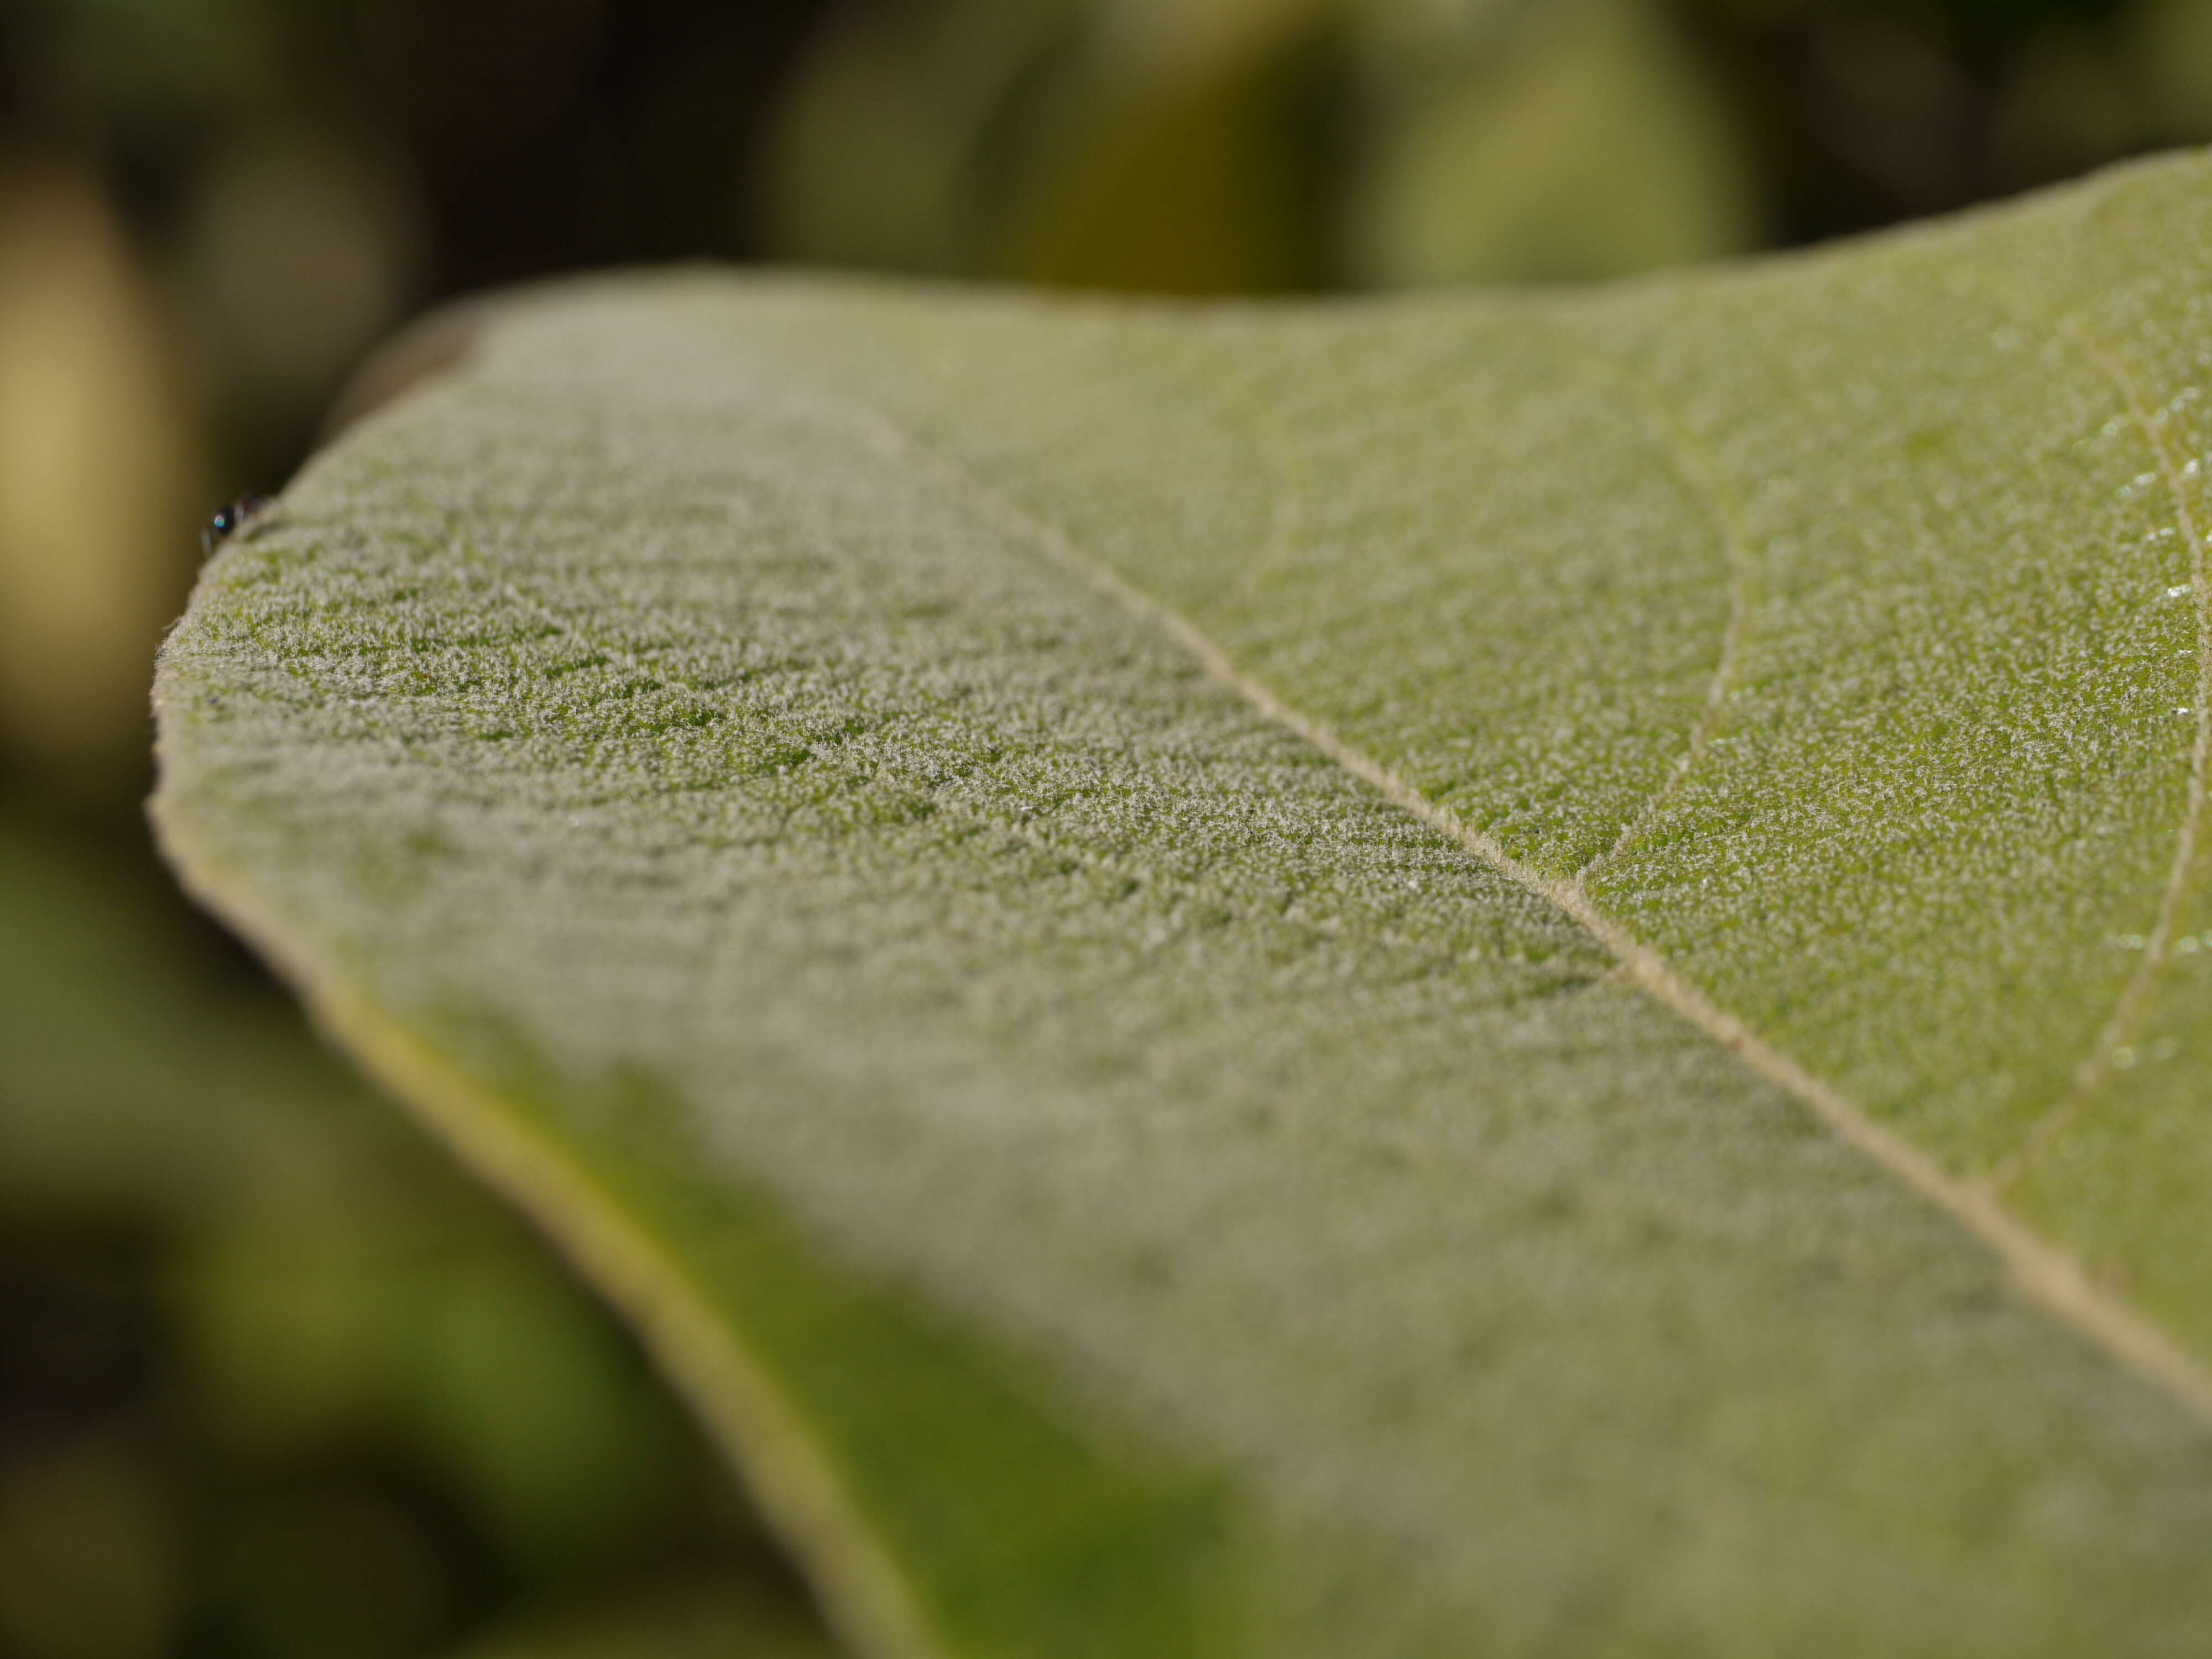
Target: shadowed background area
(274, 1380)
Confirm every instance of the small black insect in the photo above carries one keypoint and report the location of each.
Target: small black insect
(227, 521)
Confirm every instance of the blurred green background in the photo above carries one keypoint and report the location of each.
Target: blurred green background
(277, 1381)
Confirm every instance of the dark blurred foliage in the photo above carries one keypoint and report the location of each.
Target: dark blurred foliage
(1236, 145)
(274, 1379)
(301, 172)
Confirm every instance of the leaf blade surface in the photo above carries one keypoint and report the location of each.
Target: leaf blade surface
(1157, 1194)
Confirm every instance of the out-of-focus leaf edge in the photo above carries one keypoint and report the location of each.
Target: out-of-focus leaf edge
(1133, 1560)
(867, 1600)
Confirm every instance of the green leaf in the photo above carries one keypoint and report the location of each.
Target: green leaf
(1123, 143)
(876, 152)
(1470, 975)
(1175, 146)
(1567, 141)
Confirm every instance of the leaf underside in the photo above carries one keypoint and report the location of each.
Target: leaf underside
(741, 756)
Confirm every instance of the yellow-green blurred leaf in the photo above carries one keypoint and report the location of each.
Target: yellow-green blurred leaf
(101, 485)
(2171, 48)
(1119, 144)
(883, 132)
(1574, 140)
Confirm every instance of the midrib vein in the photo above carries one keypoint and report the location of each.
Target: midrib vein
(2047, 1278)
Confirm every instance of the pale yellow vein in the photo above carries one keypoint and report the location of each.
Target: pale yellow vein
(2044, 1275)
(1723, 507)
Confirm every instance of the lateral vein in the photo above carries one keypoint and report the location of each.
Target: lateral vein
(2045, 1276)
(1721, 507)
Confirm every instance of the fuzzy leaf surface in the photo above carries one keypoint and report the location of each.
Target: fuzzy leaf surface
(1475, 975)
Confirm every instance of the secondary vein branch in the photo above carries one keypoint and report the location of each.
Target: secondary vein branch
(2045, 1276)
